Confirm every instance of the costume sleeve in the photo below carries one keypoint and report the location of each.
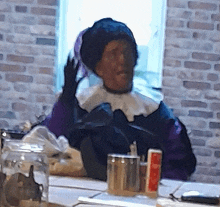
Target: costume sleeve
(62, 118)
(66, 110)
(179, 161)
(178, 158)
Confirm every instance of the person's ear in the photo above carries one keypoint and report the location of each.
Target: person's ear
(98, 69)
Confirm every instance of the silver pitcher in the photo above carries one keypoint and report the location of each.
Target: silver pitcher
(123, 174)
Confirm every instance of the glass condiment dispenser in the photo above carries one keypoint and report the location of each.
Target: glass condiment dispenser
(25, 174)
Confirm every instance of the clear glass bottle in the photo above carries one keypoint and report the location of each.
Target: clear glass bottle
(25, 174)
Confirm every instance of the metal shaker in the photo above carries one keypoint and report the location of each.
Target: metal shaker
(123, 174)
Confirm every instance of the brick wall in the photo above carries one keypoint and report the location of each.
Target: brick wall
(27, 59)
(191, 78)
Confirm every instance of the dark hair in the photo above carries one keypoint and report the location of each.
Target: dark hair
(99, 35)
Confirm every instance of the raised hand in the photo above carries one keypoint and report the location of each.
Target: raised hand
(70, 83)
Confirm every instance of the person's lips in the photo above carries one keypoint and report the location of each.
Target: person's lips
(122, 72)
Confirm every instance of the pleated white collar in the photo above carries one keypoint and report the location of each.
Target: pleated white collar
(132, 104)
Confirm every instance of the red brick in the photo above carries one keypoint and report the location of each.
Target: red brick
(22, 9)
(194, 45)
(48, 2)
(17, 18)
(41, 99)
(7, 114)
(190, 103)
(215, 37)
(201, 15)
(42, 30)
(202, 152)
(43, 11)
(45, 99)
(206, 56)
(27, 50)
(47, 21)
(203, 114)
(45, 61)
(19, 106)
(22, 59)
(199, 35)
(21, 29)
(197, 65)
(212, 95)
(41, 89)
(19, 78)
(201, 5)
(46, 70)
(215, 106)
(22, 1)
(2, 17)
(177, 53)
(215, 17)
(12, 68)
(208, 171)
(169, 73)
(196, 85)
(174, 23)
(171, 82)
(47, 80)
(48, 51)
(192, 94)
(177, 34)
(196, 75)
(177, 3)
(172, 63)
(217, 154)
(172, 93)
(198, 142)
(212, 77)
(172, 102)
(21, 39)
(200, 25)
(1, 37)
(178, 13)
(20, 87)
(4, 124)
(5, 7)
(200, 133)
(45, 41)
(179, 112)
(217, 67)
(217, 87)
(206, 164)
(214, 125)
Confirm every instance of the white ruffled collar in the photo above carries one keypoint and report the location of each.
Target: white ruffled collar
(132, 104)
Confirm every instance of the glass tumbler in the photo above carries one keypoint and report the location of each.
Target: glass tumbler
(24, 174)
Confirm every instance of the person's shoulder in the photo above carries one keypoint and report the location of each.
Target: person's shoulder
(163, 112)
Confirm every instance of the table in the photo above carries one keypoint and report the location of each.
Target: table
(86, 192)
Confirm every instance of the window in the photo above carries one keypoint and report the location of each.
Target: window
(146, 19)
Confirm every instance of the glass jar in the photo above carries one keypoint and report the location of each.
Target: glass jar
(26, 174)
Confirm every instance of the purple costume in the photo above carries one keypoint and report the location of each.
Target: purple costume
(105, 129)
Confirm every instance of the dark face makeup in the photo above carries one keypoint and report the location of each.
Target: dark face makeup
(116, 67)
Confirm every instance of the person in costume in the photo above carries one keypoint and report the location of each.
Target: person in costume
(110, 115)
